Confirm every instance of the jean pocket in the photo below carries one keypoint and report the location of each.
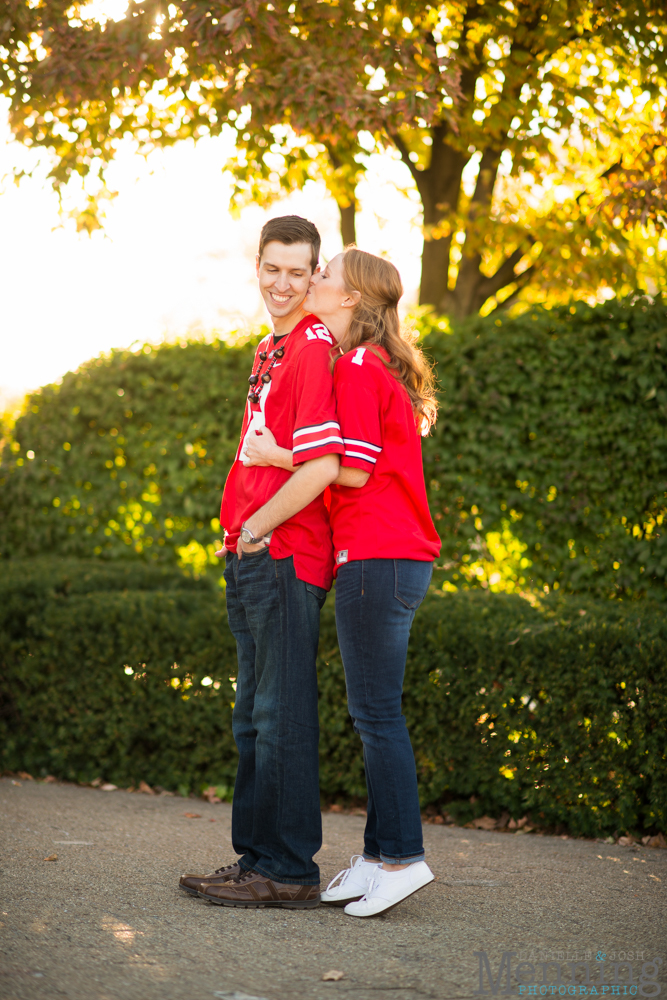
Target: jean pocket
(319, 593)
(253, 555)
(412, 580)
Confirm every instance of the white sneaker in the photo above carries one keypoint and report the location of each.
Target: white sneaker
(388, 889)
(353, 884)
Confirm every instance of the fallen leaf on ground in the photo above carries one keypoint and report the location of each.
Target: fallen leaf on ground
(95, 783)
(52, 857)
(210, 795)
(439, 820)
(657, 841)
(502, 821)
(14, 782)
(484, 823)
(335, 808)
(211, 821)
(192, 815)
(333, 976)
(145, 788)
(26, 776)
(235, 995)
(50, 780)
(108, 787)
(625, 841)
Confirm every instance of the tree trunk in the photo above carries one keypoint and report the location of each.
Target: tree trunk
(348, 222)
(435, 268)
(440, 188)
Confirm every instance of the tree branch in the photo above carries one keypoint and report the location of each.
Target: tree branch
(505, 274)
(523, 279)
(405, 156)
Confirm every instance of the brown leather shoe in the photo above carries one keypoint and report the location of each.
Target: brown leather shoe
(193, 883)
(250, 889)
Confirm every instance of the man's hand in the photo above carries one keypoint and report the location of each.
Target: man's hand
(242, 547)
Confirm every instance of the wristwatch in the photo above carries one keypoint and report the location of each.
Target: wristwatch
(248, 537)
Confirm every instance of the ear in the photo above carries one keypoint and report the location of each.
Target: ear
(351, 299)
(257, 264)
(317, 269)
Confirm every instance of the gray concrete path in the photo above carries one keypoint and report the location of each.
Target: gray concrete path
(105, 921)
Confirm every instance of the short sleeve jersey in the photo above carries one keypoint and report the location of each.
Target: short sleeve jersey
(297, 405)
(389, 517)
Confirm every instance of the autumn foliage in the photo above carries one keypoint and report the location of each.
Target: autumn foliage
(533, 132)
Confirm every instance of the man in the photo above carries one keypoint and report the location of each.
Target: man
(279, 563)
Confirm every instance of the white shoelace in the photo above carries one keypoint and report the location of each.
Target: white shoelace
(345, 872)
(372, 882)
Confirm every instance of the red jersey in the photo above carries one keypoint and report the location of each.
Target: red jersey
(297, 405)
(388, 518)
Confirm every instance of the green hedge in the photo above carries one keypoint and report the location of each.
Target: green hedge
(130, 452)
(548, 465)
(553, 429)
(555, 710)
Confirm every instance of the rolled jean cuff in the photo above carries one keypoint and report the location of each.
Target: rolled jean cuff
(413, 860)
(282, 879)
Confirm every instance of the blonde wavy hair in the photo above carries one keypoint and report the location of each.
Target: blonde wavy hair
(375, 322)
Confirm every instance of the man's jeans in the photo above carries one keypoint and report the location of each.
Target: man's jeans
(275, 619)
(376, 600)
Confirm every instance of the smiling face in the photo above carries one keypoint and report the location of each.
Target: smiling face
(284, 273)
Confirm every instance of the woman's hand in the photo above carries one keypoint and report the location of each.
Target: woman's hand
(260, 446)
(261, 449)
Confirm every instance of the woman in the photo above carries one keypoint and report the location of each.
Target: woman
(385, 544)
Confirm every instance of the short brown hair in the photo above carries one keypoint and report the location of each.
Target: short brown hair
(289, 229)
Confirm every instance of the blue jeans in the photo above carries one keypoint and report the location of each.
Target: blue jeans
(376, 600)
(275, 619)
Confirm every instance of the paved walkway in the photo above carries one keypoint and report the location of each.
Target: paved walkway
(105, 921)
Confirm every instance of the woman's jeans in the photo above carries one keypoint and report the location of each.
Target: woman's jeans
(275, 619)
(376, 600)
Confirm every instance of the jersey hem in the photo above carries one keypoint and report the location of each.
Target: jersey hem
(357, 463)
(307, 454)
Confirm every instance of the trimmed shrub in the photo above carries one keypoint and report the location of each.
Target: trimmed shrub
(548, 464)
(67, 634)
(557, 710)
(547, 467)
(130, 455)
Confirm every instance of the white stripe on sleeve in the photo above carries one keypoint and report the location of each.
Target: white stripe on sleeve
(362, 444)
(317, 428)
(319, 443)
